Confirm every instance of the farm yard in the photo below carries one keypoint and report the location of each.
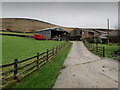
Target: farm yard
(21, 48)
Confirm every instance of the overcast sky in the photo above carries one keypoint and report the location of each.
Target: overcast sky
(70, 14)
(60, 0)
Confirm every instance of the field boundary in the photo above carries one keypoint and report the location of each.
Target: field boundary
(19, 69)
(98, 50)
(17, 35)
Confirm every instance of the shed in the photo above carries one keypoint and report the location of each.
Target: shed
(103, 37)
(55, 33)
(89, 33)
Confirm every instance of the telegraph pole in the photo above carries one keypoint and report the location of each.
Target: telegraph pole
(108, 27)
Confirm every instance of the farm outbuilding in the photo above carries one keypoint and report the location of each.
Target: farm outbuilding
(79, 34)
(103, 37)
(89, 33)
(75, 34)
(55, 33)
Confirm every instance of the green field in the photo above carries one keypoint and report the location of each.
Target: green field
(46, 76)
(22, 48)
(109, 49)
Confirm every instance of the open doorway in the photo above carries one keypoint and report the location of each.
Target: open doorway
(58, 35)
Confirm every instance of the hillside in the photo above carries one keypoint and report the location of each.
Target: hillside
(25, 25)
(32, 25)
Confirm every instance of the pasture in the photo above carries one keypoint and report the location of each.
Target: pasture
(21, 48)
(46, 76)
(109, 49)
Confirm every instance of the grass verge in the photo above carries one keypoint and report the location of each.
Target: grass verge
(46, 76)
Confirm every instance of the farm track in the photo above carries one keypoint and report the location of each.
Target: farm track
(83, 69)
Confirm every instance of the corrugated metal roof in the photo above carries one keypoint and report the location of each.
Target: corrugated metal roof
(56, 28)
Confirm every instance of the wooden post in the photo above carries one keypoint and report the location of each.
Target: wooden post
(56, 49)
(53, 51)
(59, 47)
(103, 51)
(47, 54)
(93, 47)
(15, 68)
(97, 49)
(37, 60)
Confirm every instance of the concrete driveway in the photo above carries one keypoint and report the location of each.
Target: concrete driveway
(86, 70)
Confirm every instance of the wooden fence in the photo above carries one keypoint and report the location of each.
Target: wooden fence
(19, 69)
(95, 48)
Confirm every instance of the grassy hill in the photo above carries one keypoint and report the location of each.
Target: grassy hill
(32, 25)
(25, 25)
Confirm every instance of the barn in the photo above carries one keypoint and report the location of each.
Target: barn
(89, 33)
(55, 33)
(75, 34)
(80, 34)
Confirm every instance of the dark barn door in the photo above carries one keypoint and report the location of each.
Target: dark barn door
(61, 35)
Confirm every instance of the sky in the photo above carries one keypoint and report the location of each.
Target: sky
(68, 14)
(60, 0)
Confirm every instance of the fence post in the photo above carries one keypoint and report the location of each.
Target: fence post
(47, 54)
(56, 49)
(103, 51)
(53, 51)
(59, 47)
(97, 49)
(37, 60)
(93, 47)
(15, 68)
